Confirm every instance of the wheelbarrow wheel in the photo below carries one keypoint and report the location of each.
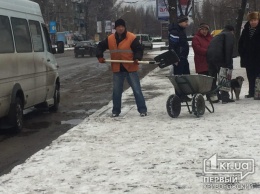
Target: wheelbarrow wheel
(198, 105)
(173, 106)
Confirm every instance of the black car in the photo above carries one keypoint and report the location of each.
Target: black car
(85, 48)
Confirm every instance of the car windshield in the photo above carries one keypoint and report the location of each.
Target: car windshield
(145, 38)
(85, 43)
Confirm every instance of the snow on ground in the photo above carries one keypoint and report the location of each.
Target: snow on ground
(144, 155)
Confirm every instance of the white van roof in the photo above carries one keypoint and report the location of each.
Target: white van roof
(23, 6)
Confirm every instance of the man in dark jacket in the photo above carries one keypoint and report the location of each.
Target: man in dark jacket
(220, 54)
(179, 43)
(123, 45)
(249, 50)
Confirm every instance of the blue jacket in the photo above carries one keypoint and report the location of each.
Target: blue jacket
(178, 41)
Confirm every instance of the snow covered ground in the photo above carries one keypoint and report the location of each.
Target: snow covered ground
(145, 155)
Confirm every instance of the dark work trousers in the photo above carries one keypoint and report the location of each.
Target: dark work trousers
(183, 68)
(252, 73)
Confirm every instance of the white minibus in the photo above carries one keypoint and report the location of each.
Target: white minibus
(28, 69)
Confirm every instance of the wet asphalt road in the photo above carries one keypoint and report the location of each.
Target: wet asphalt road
(86, 86)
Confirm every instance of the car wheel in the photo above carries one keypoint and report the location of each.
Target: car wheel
(56, 98)
(82, 55)
(15, 116)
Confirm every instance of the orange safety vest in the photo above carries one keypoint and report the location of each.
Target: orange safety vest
(122, 52)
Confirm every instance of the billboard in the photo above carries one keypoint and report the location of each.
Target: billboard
(162, 9)
(184, 8)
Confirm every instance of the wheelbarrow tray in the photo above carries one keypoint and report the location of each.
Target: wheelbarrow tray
(191, 84)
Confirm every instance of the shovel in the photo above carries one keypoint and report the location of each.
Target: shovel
(163, 60)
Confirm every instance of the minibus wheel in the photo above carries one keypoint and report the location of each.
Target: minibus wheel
(15, 115)
(56, 98)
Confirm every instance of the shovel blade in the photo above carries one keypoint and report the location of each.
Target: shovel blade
(167, 58)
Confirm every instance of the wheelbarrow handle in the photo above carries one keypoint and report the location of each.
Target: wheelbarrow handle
(127, 61)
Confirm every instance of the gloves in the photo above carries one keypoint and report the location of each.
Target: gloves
(101, 60)
(136, 62)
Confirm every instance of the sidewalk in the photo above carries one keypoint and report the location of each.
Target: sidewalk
(145, 155)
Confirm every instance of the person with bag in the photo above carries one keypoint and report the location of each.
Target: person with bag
(220, 55)
(249, 50)
(123, 45)
(200, 43)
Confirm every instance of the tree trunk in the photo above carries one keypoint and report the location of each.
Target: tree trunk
(239, 21)
(172, 11)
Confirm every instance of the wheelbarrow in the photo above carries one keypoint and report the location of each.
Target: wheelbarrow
(195, 85)
(163, 60)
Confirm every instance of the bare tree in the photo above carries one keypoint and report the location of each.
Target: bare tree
(241, 13)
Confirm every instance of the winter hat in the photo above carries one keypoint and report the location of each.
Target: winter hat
(182, 18)
(253, 15)
(229, 28)
(119, 22)
(204, 25)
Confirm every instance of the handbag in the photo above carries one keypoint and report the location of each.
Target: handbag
(224, 79)
(257, 88)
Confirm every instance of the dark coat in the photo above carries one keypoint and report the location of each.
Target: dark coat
(249, 49)
(178, 41)
(220, 50)
(200, 45)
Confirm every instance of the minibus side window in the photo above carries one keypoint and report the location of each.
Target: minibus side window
(22, 36)
(47, 38)
(36, 34)
(6, 38)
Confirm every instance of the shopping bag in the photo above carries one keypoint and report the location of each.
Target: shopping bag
(224, 79)
(257, 88)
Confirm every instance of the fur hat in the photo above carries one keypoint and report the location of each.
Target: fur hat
(253, 15)
(119, 22)
(182, 18)
(204, 25)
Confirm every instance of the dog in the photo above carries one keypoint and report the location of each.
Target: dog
(236, 85)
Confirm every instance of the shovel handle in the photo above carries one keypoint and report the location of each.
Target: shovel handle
(126, 61)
